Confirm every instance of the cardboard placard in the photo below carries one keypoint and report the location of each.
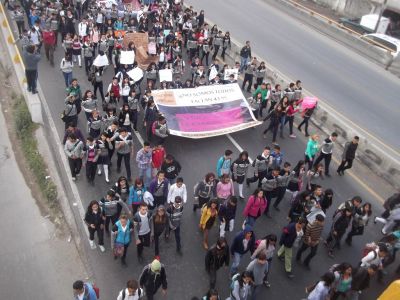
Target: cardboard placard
(139, 39)
(101, 61)
(229, 72)
(136, 74)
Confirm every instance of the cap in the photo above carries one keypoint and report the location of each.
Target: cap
(155, 266)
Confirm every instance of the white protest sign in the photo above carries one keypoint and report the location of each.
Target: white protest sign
(165, 75)
(136, 74)
(213, 73)
(127, 57)
(229, 72)
(101, 61)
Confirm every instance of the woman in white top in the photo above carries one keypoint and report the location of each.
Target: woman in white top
(66, 66)
(267, 245)
(242, 287)
(322, 288)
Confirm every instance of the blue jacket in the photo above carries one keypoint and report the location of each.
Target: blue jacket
(89, 293)
(237, 245)
(123, 237)
(223, 164)
(134, 197)
(289, 235)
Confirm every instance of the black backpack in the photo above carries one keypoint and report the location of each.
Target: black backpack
(124, 293)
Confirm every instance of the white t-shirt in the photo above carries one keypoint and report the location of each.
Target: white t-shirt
(128, 297)
(320, 292)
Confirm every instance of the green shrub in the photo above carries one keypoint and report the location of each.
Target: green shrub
(25, 130)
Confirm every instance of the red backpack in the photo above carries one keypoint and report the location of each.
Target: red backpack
(96, 290)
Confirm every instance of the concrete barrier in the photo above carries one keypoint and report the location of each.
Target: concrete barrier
(33, 101)
(337, 31)
(376, 155)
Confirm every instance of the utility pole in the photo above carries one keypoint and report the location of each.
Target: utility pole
(383, 7)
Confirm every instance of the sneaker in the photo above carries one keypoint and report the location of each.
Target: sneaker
(205, 245)
(289, 275)
(73, 178)
(92, 245)
(102, 249)
(292, 136)
(281, 258)
(107, 180)
(330, 254)
(267, 284)
(375, 220)
(99, 172)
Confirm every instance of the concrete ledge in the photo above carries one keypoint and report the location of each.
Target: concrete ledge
(33, 101)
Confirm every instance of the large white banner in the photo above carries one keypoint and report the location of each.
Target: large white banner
(205, 111)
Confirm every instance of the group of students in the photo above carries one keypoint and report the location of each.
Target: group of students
(144, 209)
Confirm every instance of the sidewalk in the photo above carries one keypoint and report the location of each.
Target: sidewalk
(36, 261)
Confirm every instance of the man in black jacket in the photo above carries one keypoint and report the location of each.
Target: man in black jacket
(349, 153)
(216, 257)
(153, 276)
(361, 278)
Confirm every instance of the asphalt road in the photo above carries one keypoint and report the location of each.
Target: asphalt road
(186, 274)
(354, 86)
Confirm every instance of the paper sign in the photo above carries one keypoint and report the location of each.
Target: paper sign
(213, 73)
(152, 48)
(165, 75)
(229, 72)
(309, 102)
(136, 74)
(101, 61)
(127, 57)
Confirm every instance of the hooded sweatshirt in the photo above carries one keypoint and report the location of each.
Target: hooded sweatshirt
(241, 245)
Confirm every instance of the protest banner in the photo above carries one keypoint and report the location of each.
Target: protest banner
(127, 57)
(165, 75)
(229, 72)
(136, 74)
(205, 111)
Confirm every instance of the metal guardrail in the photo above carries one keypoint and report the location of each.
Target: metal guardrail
(341, 26)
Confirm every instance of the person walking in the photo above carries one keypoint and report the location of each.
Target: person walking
(171, 168)
(124, 147)
(31, 60)
(110, 208)
(239, 171)
(227, 214)
(131, 292)
(84, 291)
(144, 161)
(74, 150)
(103, 162)
(349, 153)
(360, 220)
(307, 113)
(152, 278)
(339, 226)
(261, 165)
(174, 213)
(224, 163)
(274, 121)
(311, 239)
(91, 157)
(266, 246)
(361, 280)
(322, 288)
(243, 242)
(177, 189)
(209, 214)
(259, 268)
(311, 150)
(216, 257)
(143, 225)
(49, 43)
(204, 190)
(326, 152)
(66, 66)
(159, 188)
(245, 56)
(95, 223)
(241, 286)
(225, 188)
(122, 232)
(290, 237)
(160, 226)
(255, 207)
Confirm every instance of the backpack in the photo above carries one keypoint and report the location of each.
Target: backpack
(368, 248)
(96, 290)
(235, 277)
(124, 293)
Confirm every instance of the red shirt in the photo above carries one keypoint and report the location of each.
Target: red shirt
(49, 38)
(158, 157)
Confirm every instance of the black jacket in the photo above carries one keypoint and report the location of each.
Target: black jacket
(171, 170)
(360, 279)
(96, 219)
(151, 281)
(215, 258)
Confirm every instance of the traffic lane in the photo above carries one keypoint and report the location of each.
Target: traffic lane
(346, 80)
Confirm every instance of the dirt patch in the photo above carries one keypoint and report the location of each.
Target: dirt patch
(9, 96)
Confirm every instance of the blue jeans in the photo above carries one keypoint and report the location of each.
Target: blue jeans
(67, 78)
(235, 262)
(250, 221)
(243, 63)
(145, 175)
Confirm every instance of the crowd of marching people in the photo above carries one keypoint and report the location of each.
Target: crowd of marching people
(144, 206)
